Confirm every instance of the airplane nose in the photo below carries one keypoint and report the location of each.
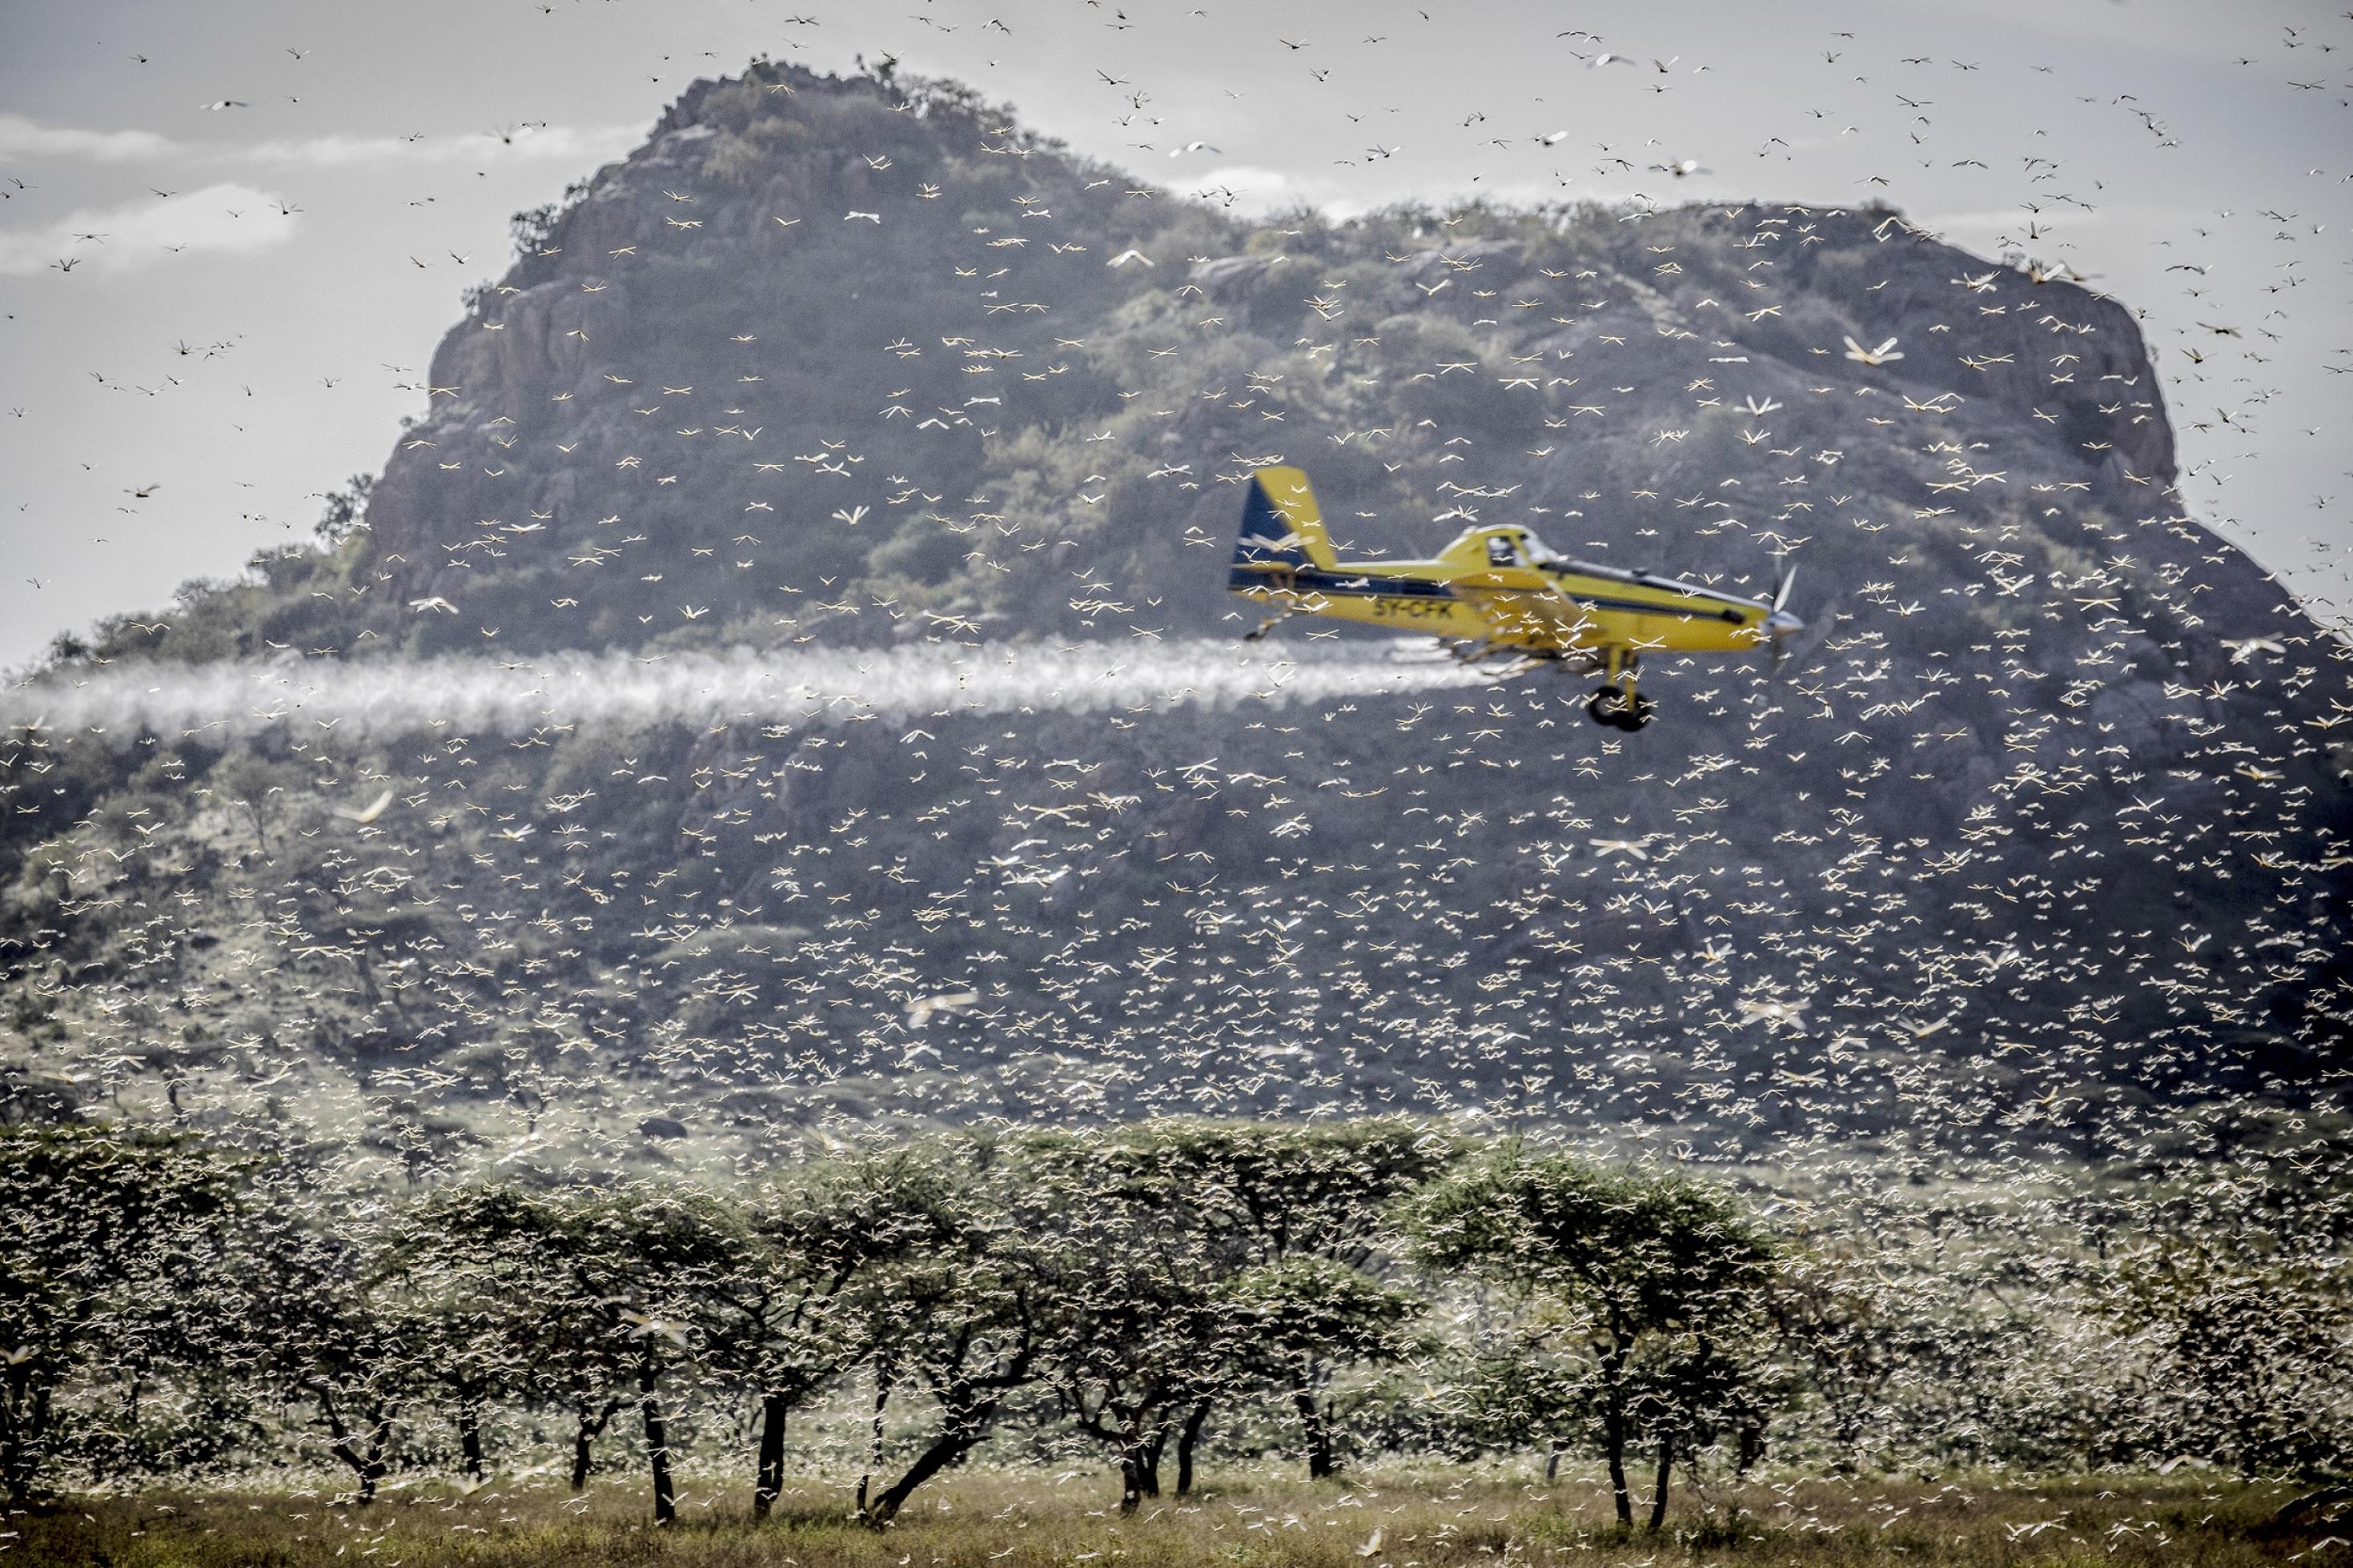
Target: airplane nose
(1781, 622)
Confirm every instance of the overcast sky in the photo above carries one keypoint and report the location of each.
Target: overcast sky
(211, 315)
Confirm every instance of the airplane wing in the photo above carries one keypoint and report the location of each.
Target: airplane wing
(1537, 615)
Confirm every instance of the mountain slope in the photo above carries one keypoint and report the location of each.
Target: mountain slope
(2037, 840)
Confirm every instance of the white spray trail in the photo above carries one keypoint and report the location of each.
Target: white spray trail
(792, 689)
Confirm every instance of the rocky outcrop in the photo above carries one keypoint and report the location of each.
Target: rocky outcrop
(2038, 829)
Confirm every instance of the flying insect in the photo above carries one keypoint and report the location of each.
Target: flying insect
(1497, 595)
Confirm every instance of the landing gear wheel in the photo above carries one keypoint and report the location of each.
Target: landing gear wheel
(1619, 709)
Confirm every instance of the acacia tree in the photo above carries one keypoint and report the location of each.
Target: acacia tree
(2248, 1357)
(1660, 1274)
(329, 1327)
(959, 1315)
(799, 1308)
(664, 1258)
(1266, 1197)
(622, 1288)
(1140, 1338)
(1847, 1327)
(1703, 1388)
(472, 1305)
(249, 780)
(563, 1346)
(1303, 1318)
(1522, 1385)
(112, 1267)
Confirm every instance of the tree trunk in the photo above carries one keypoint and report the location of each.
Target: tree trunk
(773, 1407)
(1624, 1498)
(1185, 1442)
(963, 1436)
(1139, 1463)
(656, 1447)
(24, 1426)
(1613, 1426)
(1131, 1480)
(1318, 1429)
(1552, 1463)
(874, 1445)
(369, 1467)
(1752, 1447)
(1151, 1459)
(470, 1438)
(1659, 1497)
(583, 1437)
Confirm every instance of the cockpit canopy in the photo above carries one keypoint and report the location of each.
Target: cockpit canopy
(1519, 547)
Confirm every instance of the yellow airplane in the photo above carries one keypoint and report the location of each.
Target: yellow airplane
(1496, 593)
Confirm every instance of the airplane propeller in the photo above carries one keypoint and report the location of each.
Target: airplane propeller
(1779, 623)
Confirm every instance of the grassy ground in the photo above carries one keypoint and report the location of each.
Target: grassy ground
(1388, 1520)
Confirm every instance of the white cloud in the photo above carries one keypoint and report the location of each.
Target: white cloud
(224, 219)
(561, 143)
(23, 137)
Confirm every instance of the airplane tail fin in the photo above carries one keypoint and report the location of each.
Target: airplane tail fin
(1280, 525)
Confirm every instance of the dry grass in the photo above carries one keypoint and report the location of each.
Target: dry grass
(1424, 1519)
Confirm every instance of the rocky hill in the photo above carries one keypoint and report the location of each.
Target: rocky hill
(2037, 840)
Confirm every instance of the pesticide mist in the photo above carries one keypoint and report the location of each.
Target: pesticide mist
(793, 690)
